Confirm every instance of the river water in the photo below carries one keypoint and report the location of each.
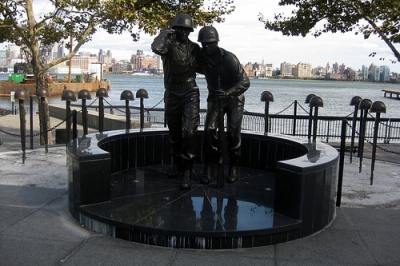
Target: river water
(336, 95)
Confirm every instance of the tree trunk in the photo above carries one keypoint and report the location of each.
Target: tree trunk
(44, 113)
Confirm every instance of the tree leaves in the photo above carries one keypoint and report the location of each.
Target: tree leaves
(378, 17)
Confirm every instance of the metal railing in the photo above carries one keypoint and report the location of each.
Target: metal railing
(328, 128)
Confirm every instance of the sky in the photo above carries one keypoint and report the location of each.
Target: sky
(245, 36)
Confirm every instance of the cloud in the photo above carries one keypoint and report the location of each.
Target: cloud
(246, 37)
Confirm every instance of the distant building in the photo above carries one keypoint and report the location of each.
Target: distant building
(286, 69)
(384, 73)
(302, 70)
(364, 72)
(269, 70)
(3, 58)
(375, 73)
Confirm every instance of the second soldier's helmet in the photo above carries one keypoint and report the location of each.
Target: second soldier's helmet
(208, 34)
(183, 20)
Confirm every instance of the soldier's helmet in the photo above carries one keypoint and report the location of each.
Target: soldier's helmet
(208, 34)
(183, 20)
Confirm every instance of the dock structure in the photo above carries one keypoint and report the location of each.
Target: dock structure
(392, 94)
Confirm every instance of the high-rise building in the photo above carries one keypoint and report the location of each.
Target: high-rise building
(137, 60)
(375, 73)
(302, 70)
(364, 72)
(384, 73)
(286, 69)
(268, 70)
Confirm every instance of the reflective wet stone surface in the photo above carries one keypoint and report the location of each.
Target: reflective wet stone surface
(146, 199)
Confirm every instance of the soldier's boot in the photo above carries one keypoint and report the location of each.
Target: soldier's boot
(176, 168)
(207, 174)
(233, 171)
(187, 174)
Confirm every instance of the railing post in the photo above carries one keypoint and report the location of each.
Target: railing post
(127, 95)
(84, 95)
(387, 132)
(310, 115)
(315, 102)
(142, 94)
(31, 121)
(21, 95)
(355, 101)
(101, 93)
(377, 107)
(294, 118)
(266, 97)
(341, 163)
(365, 104)
(68, 96)
(74, 124)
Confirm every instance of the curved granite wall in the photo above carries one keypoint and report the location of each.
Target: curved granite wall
(306, 174)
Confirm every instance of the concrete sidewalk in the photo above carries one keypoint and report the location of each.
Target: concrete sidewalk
(37, 229)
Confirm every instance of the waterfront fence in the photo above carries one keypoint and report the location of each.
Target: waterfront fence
(328, 129)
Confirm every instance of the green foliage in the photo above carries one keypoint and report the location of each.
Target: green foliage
(60, 20)
(315, 17)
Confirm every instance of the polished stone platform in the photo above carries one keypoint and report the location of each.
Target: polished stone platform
(148, 207)
(118, 186)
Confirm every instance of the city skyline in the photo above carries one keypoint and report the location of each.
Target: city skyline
(246, 37)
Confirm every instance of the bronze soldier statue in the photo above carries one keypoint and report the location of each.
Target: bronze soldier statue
(227, 82)
(182, 97)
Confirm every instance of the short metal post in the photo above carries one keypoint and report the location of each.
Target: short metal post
(101, 114)
(377, 107)
(294, 118)
(21, 95)
(84, 117)
(315, 102)
(31, 121)
(141, 114)
(68, 96)
(127, 95)
(364, 105)
(84, 95)
(355, 101)
(142, 94)
(22, 123)
(101, 93)
(308, 99)
(74, 124)
(341, 163)
(266, 97)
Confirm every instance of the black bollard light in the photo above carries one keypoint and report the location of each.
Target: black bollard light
(101, 93)
(68, 96)
(127, 95)
(21, 95)
(142, 94)
(377, 107)
(364, 106)
(315, 102)
(84, 95)
(31, 121)
(308, 99)
(294, 118)
(355, 101)
(43, 94)
(266, 97)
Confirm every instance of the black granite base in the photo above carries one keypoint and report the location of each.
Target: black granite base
(147, 207)
(118, 185)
